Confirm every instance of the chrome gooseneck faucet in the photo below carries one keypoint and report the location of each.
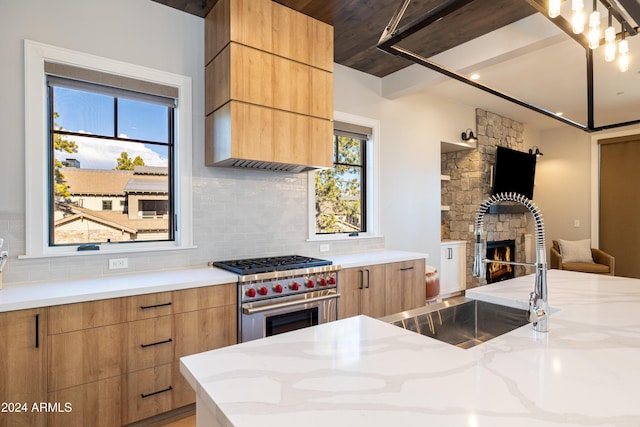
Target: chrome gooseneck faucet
(538, 299)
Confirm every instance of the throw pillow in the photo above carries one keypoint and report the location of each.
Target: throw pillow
(576, 251)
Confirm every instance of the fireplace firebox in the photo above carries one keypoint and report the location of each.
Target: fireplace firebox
(502, 250)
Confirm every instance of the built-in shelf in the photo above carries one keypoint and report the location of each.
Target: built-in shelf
(449, 147)
(445, 178)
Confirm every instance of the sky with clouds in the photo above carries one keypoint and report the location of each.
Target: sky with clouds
(103, 153)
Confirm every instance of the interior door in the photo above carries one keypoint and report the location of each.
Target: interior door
(619, 203)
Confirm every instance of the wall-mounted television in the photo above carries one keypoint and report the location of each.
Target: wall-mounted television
(514, 171)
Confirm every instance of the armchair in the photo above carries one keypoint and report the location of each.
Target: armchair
(603, 263)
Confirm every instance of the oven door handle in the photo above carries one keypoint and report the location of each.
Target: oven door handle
(251, 310)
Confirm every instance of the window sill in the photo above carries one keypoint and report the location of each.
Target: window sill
(334, 237)
(106, 250)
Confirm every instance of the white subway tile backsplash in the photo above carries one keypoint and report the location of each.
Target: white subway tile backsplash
(237, 213)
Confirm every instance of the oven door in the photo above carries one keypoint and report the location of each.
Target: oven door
(278, 315)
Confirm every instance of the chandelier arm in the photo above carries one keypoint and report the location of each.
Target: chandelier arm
(391, 36)
(617, 13)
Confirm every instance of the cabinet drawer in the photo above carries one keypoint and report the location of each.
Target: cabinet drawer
(147, 306)
(205, 297)
(84, 356)
(204, 330)
(150, 342)
(84, 315)
(96, 404)
(151, 391)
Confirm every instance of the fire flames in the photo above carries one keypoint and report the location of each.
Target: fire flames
(496, 270)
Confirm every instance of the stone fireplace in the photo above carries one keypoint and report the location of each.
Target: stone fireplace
(470, 184)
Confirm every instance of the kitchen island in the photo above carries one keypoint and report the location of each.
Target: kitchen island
(362, 371)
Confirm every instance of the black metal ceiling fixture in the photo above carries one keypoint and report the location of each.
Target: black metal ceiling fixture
(392, 35)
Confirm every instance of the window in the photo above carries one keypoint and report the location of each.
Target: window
(344, 202)
(108, 154)
(340, 201)
(121, 141)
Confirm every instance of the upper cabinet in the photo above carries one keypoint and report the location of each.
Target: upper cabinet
(269, 87)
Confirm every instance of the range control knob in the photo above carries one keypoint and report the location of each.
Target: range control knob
(294, 286)
(332, 280)
(277, 288)
(262, 290)
(311, 284)
(251, 292)
(323, 282)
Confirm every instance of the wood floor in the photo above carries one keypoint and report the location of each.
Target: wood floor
(185, 422)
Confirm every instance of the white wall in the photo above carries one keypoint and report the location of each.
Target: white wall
(412, 127)
(237, 213)
(563, 183)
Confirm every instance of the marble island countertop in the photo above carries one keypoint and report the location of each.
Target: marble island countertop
(361, 371)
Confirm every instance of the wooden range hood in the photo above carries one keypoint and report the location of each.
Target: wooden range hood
(269, 87)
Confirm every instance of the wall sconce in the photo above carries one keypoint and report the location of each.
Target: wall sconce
(537, 151)
(470, 137)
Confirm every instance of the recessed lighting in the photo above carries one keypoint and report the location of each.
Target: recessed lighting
(474, 76)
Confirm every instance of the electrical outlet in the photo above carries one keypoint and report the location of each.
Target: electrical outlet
(324, 248)
(118, 263)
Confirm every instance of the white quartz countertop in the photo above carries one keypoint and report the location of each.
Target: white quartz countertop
(373, 258)
(42, 294)
(362, 371)
(71, 291)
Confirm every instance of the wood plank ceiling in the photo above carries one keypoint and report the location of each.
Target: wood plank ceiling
(358, 25)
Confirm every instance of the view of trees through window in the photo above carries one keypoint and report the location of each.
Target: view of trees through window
(339, 202)
(109, 179)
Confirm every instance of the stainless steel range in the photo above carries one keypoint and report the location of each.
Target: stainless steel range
(284, 293)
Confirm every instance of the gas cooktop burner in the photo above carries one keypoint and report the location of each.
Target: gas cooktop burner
(269, 264)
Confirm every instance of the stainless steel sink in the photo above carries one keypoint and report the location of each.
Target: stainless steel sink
(462, 322)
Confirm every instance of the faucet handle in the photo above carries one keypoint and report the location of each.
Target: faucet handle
(533, 309)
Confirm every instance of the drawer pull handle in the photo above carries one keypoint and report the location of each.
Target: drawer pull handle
(37, 330)
(156, 392)
(145, 307)
(406, 269)
(156, 343)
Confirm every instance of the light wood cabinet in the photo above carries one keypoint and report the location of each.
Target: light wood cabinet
(268, 86)
(97, 403)
(116, 361)
(85, 356)
(405, 287)
(254, 133)
(205, 330)
(154, 390)
(241, 73)
(362, 291)
(383, 289)
(23, 366)
(270, 27)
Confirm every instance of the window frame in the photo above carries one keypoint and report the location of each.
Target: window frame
(370, 181)
(37, 145)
